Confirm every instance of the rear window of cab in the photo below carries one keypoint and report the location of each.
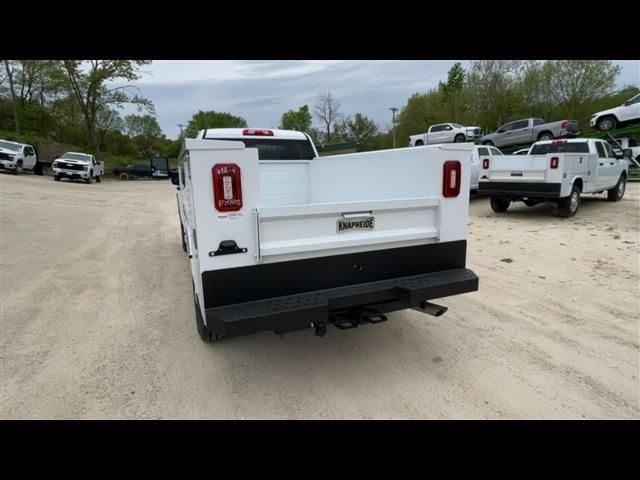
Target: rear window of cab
(569, 147)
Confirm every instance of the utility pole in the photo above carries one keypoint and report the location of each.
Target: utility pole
(181, 125)
(393, 124)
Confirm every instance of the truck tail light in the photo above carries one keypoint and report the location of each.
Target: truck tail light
(227, 187)
(485, 163)
(451, 178)
(258, 132)
(564, 125)
(554, 162)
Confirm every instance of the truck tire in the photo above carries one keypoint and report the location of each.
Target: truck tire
(459, 138)
(489, 143)
(98, 178)
(205, 333)
(88, 180)
(606, 123)
(616, 193)
(568, 206)
(419, 143)
(56, 178)
(18, 169)
(124, 176)
(500, 204)
(545, 136)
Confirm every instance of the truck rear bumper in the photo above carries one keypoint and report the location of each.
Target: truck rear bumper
(520, 189)
(315, 309)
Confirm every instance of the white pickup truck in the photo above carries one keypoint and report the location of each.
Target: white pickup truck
(16, 157)
(73, 165)
(446, 133)
(557, 170)
(280, 239)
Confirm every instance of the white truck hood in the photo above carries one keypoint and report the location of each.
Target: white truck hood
(68, 160)
(10, 152)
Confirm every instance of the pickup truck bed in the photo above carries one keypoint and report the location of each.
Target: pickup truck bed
(335, 240)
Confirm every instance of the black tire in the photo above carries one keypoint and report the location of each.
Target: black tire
(545, 136)
(98, 178)
(568, 206)
(88, 180)
(616, 193)
(490, 143)
(123, 176)
(606, 124)
(18, 169)
(205, 333)
(56, 178)
(419, 143)
(500, 204)
(459, 138)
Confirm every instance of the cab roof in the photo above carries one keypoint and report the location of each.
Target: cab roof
(276, 134)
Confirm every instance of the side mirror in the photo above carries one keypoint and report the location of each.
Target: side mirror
(174, 178)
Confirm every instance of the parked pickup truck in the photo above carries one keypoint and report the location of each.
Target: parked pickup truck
(156, 169)
(280, 239)
(625, 114)
(479, 154)
(445, 133)
(557, 170)
(82, 166)
(16, 157)
(530, 130)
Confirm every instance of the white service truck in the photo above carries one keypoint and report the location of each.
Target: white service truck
(16, 157)
(445, 133)
(280, 239)
(74, 165)
(556, 170)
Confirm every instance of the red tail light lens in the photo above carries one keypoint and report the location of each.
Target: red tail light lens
(227, 187)
(451, 178)
(554, 162)
(485, 163)
(564, 125)
(258, 132)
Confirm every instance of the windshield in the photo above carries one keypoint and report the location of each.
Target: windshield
(573, 147)
(77, 156)
(10, 146)
(277, 149)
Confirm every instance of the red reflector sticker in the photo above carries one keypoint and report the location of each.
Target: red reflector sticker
(227, 187)
(554, 162)
(485, 163)
(451, 178)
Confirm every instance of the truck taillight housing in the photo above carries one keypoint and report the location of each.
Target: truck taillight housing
(227, 187)
(554, 162)
(257, 132)
(451, 178)
(485, 163)
(564, 125)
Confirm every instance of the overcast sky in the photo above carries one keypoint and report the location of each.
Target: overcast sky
(261, 91)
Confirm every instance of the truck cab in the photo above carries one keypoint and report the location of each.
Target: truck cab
(558, 171)
(16, 157)
(280, 239)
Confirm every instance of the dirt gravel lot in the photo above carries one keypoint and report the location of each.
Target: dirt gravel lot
(98, 321)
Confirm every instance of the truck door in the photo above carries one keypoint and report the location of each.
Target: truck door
(604, 165)
(520, 132)
(29, 158)
(435, 134)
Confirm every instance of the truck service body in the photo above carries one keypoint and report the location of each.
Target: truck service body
(280, 239)
(557, 170)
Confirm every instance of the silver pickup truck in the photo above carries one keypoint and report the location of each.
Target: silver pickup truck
(530, 130)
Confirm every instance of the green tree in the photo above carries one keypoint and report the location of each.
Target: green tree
(92, 82)
(145, 132)
(362, 130)
(299, 120)
(212, 119)
(453, 88)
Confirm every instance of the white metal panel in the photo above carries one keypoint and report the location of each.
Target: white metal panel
(284, 182)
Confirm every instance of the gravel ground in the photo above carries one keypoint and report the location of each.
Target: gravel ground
(98, 321)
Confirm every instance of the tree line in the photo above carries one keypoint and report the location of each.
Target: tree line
(79, 102)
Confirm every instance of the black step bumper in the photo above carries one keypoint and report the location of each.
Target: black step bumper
(311, 309)
(520, 189)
